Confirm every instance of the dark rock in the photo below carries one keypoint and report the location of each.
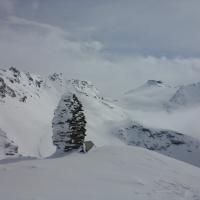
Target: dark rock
(23, 99)
(88, 145)
(4, 89)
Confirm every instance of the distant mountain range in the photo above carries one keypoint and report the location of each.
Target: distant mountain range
(28, 103)
(156, 95)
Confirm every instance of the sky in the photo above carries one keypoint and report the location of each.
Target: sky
(117, 44)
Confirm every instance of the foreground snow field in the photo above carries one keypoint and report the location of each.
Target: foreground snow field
(109, 172)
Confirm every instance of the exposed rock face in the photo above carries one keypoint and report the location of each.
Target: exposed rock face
(2, 88)
(151, 139)
(166, 142)
(15, 75)
(87, 146)
(20, 85)
(154, 82)
(58, 78)
(85, 87)
(5, 90)
(69, 124)
(7, 147)
(187, 95)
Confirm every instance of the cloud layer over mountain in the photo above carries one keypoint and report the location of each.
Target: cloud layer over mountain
(133, 41)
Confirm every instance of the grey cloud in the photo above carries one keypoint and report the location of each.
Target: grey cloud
(43, 48)
(156, 27)
(117, 45)
(6, 8)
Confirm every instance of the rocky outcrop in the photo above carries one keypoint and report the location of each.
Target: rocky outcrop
(7, 146)
(15, 78)
(69, 124)
(186, 95)
(5, 89)
(18, 84)
(171, 143)
(87, 146)
(85, 87)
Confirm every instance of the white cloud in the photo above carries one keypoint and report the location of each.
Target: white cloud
(183, 121)
(43, 48)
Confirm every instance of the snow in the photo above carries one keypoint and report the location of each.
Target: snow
(161, 105)
(152, 96)
(31, 128)
(185, 96)
(108, 172)
(112, 169)
(167, 142)
(7, 147)
(100, 116)
(31, 120)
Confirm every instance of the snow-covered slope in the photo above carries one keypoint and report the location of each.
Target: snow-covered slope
(167, 142)
(156, 96)
(186, 96)
(27, 115)
(31, 110)
(109, 124)
(111, 172)
(152, 96)
(159, 105)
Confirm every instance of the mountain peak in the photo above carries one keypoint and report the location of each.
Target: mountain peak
(187, 95)
(56, 77)
(85, 87)
(149, 84)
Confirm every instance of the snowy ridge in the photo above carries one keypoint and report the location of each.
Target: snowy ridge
(85, 87)
(156, 96)
(188, 95)
(32, 117)
(19, 85)
(113, 169)
(110, 124)
(30, 107)
(166, 142)
(151, 96)
(7, 147)
(30, 110)
(147, 85)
